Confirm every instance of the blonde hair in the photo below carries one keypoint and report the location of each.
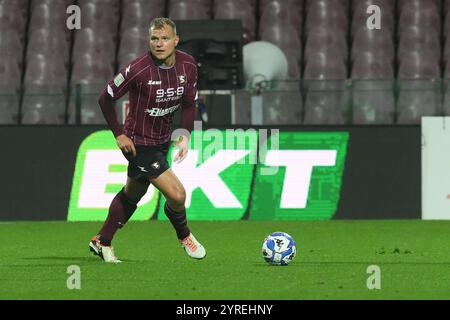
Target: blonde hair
(160, 22)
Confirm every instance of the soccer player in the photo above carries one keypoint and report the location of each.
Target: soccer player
(159, 83)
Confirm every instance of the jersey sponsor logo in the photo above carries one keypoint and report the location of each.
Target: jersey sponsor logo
(119, 79)
(159, 112)
(171, 94)
(152, 82)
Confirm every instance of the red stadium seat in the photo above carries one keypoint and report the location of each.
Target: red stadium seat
(384, 5)
(417, 39)
(43, 109)
(45, 16)
(373, 105)
(140, 13)
(238, 9)
(425, 17)
(92, 68)
(9, 108)
(10, 75)
(189, 10)
(48, 42)
(13, 17)
(414, 104)
(281, 107)
(321, 39)
(90, 41)
(112, 4)
(418, 4)
(326, 107)
(10, 45)
(288, 40)
(329, 14)
(359, 21)
(133, 44)
(373, 41)
(324, 66)
(294, 5)
(94, 15)
(369, 65)
(44, 70)
(281, 11)
(418, 65)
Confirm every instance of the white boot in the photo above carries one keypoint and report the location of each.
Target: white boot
(192, 247)
(104, 252)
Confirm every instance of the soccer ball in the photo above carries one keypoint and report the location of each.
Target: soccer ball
(279, 249)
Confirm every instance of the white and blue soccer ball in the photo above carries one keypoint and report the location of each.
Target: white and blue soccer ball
(279, 249)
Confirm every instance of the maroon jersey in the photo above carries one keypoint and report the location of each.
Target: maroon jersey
(155, 93)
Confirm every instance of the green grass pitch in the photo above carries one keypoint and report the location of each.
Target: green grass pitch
(413, 257)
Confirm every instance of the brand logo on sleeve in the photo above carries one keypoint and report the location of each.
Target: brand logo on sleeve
(119, 79)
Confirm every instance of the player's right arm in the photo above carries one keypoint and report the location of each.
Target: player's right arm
(114, 90)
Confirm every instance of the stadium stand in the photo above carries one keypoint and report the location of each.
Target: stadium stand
(347, 73)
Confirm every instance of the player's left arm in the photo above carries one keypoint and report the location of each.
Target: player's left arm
(188, 113)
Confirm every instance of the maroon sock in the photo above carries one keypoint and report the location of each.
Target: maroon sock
(178, 220)
(120, 211)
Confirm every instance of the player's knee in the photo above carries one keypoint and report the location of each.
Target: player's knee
(179, 198)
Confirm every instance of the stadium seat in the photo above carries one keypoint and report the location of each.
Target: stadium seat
(419, 65)
(189, 10)
(372, 41)
(370, 65)
(373, 106)
(324, 66)
(47, 16)
(92, 69)
(10, 76)
(418, 4)
(99, 16)
(133, 43)
(140, 13)
(48, 42)
(10, 45)
(321, 39)
(237, 9)
(373, 89)
(282, 108)
(446, 26)
(287, 11)
(112, 4)
(362, 5)
(326, 107)
(344, 4)
(418, 39)
(65, 3)
(359, 21)
(9, 108)
(416, 103)
(43, 109)
(87, 40)
(326, 13)
(12, 16)
(288, 40)
(45, 73)
(425, 17)
(419, 87)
